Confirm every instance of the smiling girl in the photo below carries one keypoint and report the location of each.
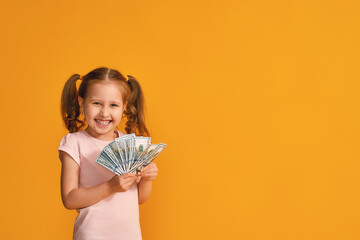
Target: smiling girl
(107, 203)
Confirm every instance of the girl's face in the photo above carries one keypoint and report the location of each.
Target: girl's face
(103, 108)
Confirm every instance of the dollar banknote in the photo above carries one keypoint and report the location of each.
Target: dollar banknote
(129, 153)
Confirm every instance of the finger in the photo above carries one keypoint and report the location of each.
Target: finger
(150, 171)
(126, 187)
(145, 168)
(153, 168)
(132, 175)
(149, 178)
(128, 180)
(149, 175)
(150, 165)
(128, 175)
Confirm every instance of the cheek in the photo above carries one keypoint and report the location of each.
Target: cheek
(116, 114)
(119, 115)
(90, 112)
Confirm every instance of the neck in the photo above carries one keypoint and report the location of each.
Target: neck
(106, 137)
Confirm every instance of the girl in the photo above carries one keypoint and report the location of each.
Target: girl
(108, 204)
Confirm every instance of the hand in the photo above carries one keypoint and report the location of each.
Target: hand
(149, 172)
(138, 179)
(123, 182)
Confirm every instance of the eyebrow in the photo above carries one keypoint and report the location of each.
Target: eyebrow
(91, 100)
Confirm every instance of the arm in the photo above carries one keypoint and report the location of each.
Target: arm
(74, 197)
(144, 190)
(147, 174)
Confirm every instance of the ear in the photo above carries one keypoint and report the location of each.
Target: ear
(81, 101)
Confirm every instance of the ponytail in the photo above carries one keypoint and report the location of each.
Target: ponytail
(135, 109)
(70, 109)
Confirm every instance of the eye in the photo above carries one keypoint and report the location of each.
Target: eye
(96, 103)
(114, 105)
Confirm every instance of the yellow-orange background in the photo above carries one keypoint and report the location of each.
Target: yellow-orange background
(257, 100)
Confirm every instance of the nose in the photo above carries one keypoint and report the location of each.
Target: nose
(104, 111)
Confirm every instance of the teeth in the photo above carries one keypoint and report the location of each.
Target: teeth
(102, 122)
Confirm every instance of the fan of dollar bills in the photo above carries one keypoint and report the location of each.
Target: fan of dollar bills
(129, 153)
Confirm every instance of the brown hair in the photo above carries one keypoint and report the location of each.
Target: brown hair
(130, 90)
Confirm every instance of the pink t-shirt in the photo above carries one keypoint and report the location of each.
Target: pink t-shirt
(113, 218)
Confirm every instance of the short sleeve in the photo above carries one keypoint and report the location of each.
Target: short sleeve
(69, 145)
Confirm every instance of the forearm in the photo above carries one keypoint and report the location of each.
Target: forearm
(84, 197)
(144, 190)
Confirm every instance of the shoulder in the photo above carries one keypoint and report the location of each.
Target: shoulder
(76, 140)
(120, 133)
(73, 137)
(70, 144)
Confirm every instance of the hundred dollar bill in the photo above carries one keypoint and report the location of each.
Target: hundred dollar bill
(155, 153)
(122, 151)
(110, 153)
(117, 152)
(152, 155)
(145, 153)
(130, 144)
(129, 153)
(103, 160)
(148, 156)
(141, 144)
(123, 146)
(106, 158)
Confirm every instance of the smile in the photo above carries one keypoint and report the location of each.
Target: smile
(103, 122)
